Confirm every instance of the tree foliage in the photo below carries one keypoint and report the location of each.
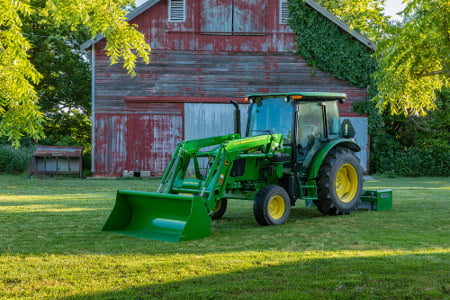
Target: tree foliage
(398, 144)
(65, 88)
(365, 16)
(19, 111)
(414, 58)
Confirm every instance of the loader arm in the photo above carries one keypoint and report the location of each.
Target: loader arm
(224, 152)
(182, 208)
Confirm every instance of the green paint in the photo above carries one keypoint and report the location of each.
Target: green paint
(165, 217)
(318, 159)
(305, 95)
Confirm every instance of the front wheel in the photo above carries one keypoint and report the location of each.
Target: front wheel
(220, 209)
(272, 205)
(339, 183)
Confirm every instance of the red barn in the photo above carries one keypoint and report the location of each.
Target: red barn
(204, 53)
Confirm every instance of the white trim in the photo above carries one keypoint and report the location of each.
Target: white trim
(284, 5)
(93, 109)
(177, 10)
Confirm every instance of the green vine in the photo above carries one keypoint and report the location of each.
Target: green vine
(323, 45)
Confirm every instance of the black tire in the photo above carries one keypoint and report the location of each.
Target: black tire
(220, 209)
(340, 182)
(272, 205)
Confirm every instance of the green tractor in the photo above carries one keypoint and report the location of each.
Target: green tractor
(295, 149)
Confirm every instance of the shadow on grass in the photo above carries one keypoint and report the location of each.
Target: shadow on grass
(411, 276)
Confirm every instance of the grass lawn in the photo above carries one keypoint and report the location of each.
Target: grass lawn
(51, 247)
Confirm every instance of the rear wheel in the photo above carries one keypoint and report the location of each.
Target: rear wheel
(272, 205)
(219, 210)
(339, 183)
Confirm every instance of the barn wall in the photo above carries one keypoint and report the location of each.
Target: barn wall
(214, 75)
(211, 25)
(193, 65)
(208, 119)
(110, 152)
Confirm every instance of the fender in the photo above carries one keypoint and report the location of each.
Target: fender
(320, 156)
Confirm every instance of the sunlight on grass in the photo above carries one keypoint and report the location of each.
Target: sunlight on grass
(43, 208)
(82, 274)
(51, 247)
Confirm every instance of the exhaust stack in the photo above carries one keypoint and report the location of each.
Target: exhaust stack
(237, 117)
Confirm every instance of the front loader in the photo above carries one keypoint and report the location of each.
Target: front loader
(295, 148)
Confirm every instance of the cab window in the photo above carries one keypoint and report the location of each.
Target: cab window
(333, 119)
(310, 124)
(270, 116)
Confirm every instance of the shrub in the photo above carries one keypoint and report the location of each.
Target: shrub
(411, 162)
(15, 161)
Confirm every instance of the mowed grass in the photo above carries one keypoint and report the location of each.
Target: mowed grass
(51, 246)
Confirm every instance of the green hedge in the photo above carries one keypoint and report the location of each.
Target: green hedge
(414, 146)
(15, 161)
(411, 162)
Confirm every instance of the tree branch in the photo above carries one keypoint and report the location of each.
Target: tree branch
(429, 73)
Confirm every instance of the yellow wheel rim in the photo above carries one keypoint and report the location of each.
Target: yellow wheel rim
(276, 207)
(346, 183)
(218, 206)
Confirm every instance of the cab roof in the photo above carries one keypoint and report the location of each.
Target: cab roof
(305, 95)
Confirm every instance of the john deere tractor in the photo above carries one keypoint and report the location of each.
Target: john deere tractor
(295, 148)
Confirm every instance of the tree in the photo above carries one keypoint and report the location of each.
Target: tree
(414, 59)
(365, 16)
(65, 89)
(413, 56)
(19, 111)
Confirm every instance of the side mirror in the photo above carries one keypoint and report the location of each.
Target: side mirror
(347, 129)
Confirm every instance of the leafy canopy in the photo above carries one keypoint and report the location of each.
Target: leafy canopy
(414, 59)
(65, 88)
(365, 16)
(413, 56)
(19, 112)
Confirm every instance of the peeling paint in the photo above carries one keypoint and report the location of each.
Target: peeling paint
(225, 50)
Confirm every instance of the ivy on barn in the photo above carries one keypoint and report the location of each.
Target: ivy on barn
(324, 45)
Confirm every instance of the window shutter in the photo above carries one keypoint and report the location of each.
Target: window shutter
(177, 10)
(284, 11)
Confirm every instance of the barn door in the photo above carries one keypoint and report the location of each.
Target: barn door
(249, 16)
(233, 16)
(216, 16)
(152, 136)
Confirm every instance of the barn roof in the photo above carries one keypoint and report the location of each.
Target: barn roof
(344, 26)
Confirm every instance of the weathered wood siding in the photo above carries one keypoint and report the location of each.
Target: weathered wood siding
(208, 119)
(142, 137)
(224, 50)
(210, 75)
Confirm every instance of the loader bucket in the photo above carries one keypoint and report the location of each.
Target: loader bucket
(156, 216)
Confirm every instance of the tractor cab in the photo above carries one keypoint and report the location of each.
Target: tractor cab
(306, 120)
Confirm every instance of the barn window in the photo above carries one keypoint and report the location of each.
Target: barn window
(177, 10)
(284, 11)
(233, 17)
